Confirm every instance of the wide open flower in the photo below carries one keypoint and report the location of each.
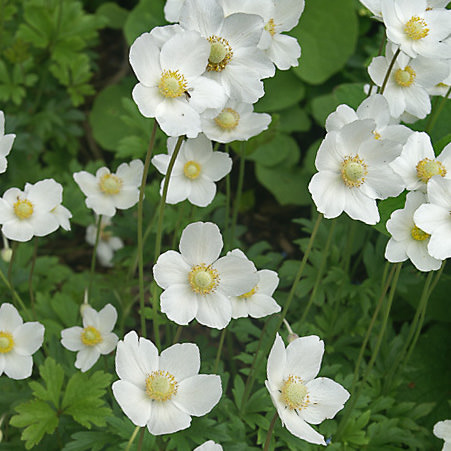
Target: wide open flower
(106, 191)
(197, 284)
(162, 392)
(18, 342)
(195, 171)
(442, 430)
(6, 142)
(94, 338)
(298, 395)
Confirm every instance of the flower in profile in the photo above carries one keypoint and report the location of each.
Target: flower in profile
(18, 342)
(162, 391)
(106, 191)
(94, 338)
(195, 171)
(209, 446)
(197, 283)
(298, 395)
(6, 142)
(36, 211)
(442, 430)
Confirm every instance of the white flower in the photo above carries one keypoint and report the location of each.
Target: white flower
(195, 171)
(353, 172)
(417, 162)
(6, 142)
(417, 29)
(434, 218)
(171, 87)
(298, 395)
(236, 122)
(409, 241)
(36, 211)
(94, 338)
(209, 446)
(197, 284)
(162, 392)
(442, 430)
(257, 302)
(172, 10)
(18, 342)
(107, 244)
(106, 191)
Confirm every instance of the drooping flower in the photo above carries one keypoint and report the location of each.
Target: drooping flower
(298, 395)
(18, 342)
(95, 338)
(162, 392)
(442, 430)
(209, 446)
(195, 171)
(197, 283)
(106, 191)
(6, 142)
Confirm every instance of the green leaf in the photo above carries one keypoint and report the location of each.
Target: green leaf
(145, 16)
(89, 441)
(275, 152)
(238, 391)
(53, 376)
(114, 15)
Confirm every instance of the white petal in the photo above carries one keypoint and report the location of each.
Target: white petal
(304, 357)
(18, 230)
(219, 165)
(145, 59)
(28, 338)
(133, 401)
(71, 338)
(202, 192)
(171, 269)
(18, 366)
(418, 253)
(268, 281)
(177, 117)
(298, 427)
(237, 275)
(108, 343)
(181, 360)
(260, 305)
(9, 317)
(360, 207)
(147, 99)
(430, 217)
(179, 303)
(277, 360)
(284, 51)
(107, 318)
(167, 418)
(214, 310)
(328, 192)
(86, 358)
(395, 251)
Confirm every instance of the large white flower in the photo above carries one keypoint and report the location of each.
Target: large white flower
(434, 218)
(442, 430)
(171, 85)
(409, 241)
(94, 338)
(298, 395)
(353, 172)
(36, 211)
(195, 171)
(106, 191)
(209, 446)
(162, 392)
(6, 142)
(18, 342)
(197, 284)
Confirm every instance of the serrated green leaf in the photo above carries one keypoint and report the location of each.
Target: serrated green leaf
(89, 440)
(238, 391)
(53, 376)
(145, 16)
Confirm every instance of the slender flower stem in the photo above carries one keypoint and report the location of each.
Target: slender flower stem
(15, 296)
(94, 254)
(270, 431)
(30, 276)
(433, 118)
(218, 353)
(132, 438)
(390, 67)
(178, 334)
(141, 439)
(11, 261)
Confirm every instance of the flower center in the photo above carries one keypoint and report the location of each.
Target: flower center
(405, 77)
(192, 169)
(161, 385)
(353, 171)
(270, 27)
(376, 135)
(416, 28)
(90, 336)
(6, 342)
(294, 393)
(427, 168)
(249, 294)
(220, 53)
(172, 83)
(110, 184)
(228, 119)
(203, 279)
(418, 234)
(23, 208)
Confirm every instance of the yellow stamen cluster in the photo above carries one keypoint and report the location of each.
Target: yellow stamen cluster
(192, 169)
(427, 168)
(405, 77)
(294, 393)
(376, 135)
(23, 208)
(6, 342)
(203, 279)
(270, 27)
(416, 28)
(110, 184)
(228, 119)
(90, 336)
(353, 171)
(418, 234)
(172, 84)
(220, 53)
(161, 386)
(249, 294)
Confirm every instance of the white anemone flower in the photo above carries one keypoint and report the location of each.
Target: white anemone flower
(209, 446)
(6, 142)
(257, 302)
(171, 87)
(353, 172)
(417, 162)
(18, 342)
(162, 391)
(409, 241)
(442, 430)
(106, 191)
(94, 338)
(36, 211)
(236, 122)
(195, 171)
(434, 218)
(197, 283)
(417, 29)
(298, 395)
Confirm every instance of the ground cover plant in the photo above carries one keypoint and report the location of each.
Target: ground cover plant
(225, 225)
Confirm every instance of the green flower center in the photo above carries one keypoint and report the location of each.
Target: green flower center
(110, 184)
(220, 53)
(294, 393)
(6, 342)
(192, 169)
(161, 386)
(427, 168)
(228, 119)
(405, 77)
(172, 83)
(353, 171)
(90, 336)
(418, 234)
(203, 279)
(23, 208)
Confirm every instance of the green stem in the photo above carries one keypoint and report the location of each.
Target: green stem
(15, 296)
(141, 439)
(433, 119)
(11, 261)
(178, 334)
(94, 255)
(348, 249)
(239, 191)
(390, 67)
(218, 353)
(30, 277)
(270, 431)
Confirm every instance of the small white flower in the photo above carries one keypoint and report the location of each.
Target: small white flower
(197, 284)
(195, 171)
(94, 338)
(409, 241)
(106, 191)
(18, 342)
(442, 430)
(298, 395)
(36, 211)
(162, 392)
(6, 142)
(209, 446)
